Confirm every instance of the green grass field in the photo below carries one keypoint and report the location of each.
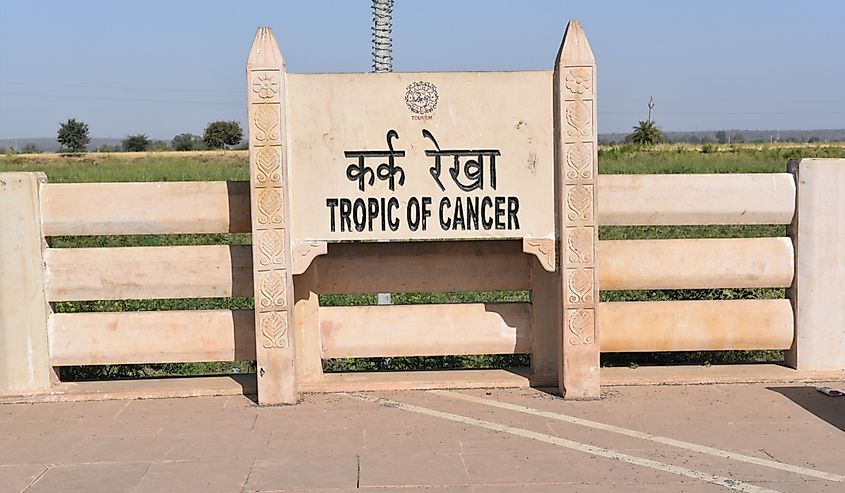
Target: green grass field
(233, 165)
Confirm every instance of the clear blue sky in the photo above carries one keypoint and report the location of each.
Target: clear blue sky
(166, 67)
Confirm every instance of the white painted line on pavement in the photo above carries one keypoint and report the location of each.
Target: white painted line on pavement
(727, 454)
(563, 442)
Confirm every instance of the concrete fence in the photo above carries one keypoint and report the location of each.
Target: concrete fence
(554, 202)
(809, 324)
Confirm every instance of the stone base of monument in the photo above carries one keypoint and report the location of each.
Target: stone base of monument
(165, 388)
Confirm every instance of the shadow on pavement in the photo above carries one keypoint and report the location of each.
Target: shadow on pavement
(830, 409)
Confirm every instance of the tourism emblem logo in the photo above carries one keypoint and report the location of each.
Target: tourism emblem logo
(421, 98)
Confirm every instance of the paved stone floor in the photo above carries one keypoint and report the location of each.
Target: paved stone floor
(663, 439)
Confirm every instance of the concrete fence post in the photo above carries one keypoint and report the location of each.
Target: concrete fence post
(818, 288)
(24, 355)
(270, 205)
(576, 172)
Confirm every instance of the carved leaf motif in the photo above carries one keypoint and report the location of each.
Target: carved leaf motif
(579, 240)
(274, 328)
(267, 122)
(267, 161)
(271, 246)
(581, 326)
(580, 282)
(578, 117)
(580, 162)
(272, 289)
(269, 206)
(579, 199)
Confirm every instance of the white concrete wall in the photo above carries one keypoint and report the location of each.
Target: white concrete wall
(818, 291)
(24, 358)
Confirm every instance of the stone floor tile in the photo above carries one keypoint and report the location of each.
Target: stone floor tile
(195, 476)
(443, 440)
(173, 407)
(408, 467)
(20, 427)
(208, 423)
(615, 487)
(304, 472)
(37, 450)
(120, 449)
(324, 490)
(10, 411)
(549, 467)
(221, 445)
(484, 441)
(13, 479)
(124, 426)
(418, 489)
(90, 478)
(315, 442)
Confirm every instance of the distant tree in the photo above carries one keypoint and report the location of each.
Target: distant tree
(107, 148)
(220, 134)
(159, 145)
(73, 135)
(187, 142)
(722, 137)
(738, 137)
(135, 143)
(30, 148)
(646, 133)
(813, 139)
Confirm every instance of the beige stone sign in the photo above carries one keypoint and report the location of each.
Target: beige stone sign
(421, 156)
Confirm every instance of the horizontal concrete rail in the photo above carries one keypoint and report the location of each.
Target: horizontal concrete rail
(695, 325)
(76, 274)
(223, 207)
(423, 267)
(145, 208)
(407, 330)
(696, 264)
(110, 338)
(505, 328)
(209, 271)
(762, 198)
(425, 330)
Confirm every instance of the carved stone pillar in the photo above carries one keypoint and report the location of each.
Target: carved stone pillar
(576, 173)
(271, 255)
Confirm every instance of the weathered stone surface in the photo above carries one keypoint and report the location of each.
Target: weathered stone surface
(576, 172)
(698, 325)
(272, 275)
(818, 292)
(24, 360)
(365, 137)
(730, 198)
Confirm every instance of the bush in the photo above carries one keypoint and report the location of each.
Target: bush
(708, 148)
(187, 142)
(220, 134)
(73, 135)
(159, 145)
(135, 143)
(108, 148)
